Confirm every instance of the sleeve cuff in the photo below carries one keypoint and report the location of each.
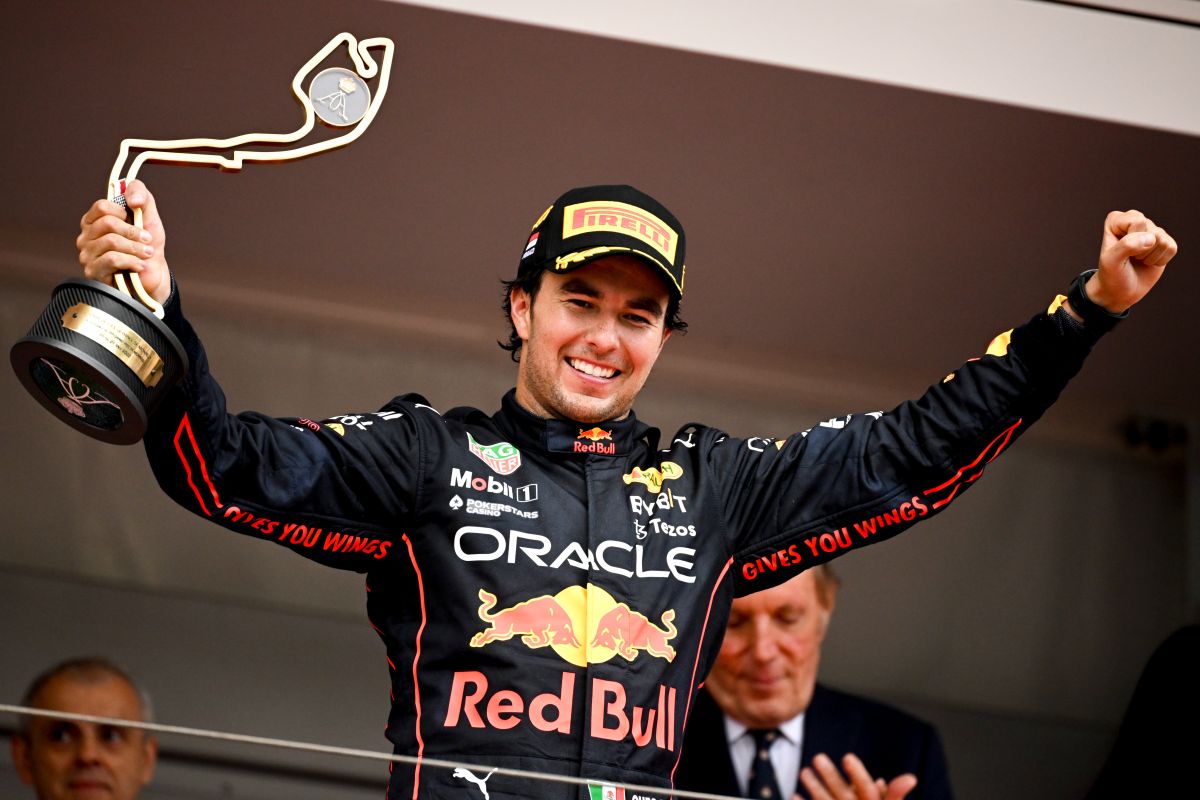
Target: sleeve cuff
(1095, 318)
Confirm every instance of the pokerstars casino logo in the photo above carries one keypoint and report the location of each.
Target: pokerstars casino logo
(582, 624)
(653, 477)
(502, 457)
(595, 442)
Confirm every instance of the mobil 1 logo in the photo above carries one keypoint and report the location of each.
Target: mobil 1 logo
(489, 484)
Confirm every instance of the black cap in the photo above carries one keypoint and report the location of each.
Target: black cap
(596, 221)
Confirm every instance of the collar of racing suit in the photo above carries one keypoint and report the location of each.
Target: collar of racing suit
(614, 438)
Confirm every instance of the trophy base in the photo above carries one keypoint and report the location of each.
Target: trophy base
(99, 361)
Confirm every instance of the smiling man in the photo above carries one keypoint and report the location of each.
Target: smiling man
(552, 580)
(67, 760)
(599, 331)
(609, 273)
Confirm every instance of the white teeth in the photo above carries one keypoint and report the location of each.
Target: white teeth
(591, 369)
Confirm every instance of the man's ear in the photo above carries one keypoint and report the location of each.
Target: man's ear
(521, 305)
(666, 335)
(826, 600)
(20, 757)
(150, 756)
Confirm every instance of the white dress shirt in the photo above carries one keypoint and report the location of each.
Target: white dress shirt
(785, 753)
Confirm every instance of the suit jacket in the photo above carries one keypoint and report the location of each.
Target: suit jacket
(1151, 757)
(888, 741)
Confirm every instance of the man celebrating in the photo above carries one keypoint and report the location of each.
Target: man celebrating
(550, 585)
(763, 727)
(66, 760)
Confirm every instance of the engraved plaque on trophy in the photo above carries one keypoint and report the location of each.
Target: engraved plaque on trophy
(100, 358)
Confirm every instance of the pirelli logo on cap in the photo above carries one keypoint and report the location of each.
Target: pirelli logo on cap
(611, 216)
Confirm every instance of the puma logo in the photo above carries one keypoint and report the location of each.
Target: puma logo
(467, 775)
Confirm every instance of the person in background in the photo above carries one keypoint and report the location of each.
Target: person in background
(68, 760)
(1153, 750)
(762, 698)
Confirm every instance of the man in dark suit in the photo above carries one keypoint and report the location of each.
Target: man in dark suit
(762, 718)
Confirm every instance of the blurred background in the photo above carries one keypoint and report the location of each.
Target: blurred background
(871, 191)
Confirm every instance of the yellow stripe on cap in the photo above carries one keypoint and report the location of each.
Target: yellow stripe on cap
(542, 218)
(571, 259)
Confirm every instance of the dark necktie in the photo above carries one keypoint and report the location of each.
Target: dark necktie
(762, 784)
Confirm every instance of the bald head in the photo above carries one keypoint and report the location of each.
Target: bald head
(68, 760)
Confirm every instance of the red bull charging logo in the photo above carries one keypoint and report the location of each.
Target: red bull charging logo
(583, 624)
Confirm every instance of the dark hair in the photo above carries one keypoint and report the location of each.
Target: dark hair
(532, 281)
(84, 670)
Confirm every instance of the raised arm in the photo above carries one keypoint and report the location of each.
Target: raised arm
(854, 480)
(337, 491)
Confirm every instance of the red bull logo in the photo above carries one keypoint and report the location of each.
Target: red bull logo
(652, 478)
(627, 631)
(612, 714)
(539, 622)
(556, 621)
(595, 443)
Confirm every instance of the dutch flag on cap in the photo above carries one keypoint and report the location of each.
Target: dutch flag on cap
(530, 245)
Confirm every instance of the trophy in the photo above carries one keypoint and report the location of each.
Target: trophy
(100, 358)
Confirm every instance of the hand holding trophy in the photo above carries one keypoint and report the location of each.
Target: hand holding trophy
(100, 358)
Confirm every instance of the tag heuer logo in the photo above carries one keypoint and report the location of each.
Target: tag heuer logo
(501, 456)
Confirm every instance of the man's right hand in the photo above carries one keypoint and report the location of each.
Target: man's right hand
(108, 242)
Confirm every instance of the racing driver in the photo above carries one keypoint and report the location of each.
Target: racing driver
(552, 581)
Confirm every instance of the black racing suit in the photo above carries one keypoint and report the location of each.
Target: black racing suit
(551, 593)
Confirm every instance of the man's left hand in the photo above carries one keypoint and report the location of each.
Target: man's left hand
(824, 782)
(1133, 254)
